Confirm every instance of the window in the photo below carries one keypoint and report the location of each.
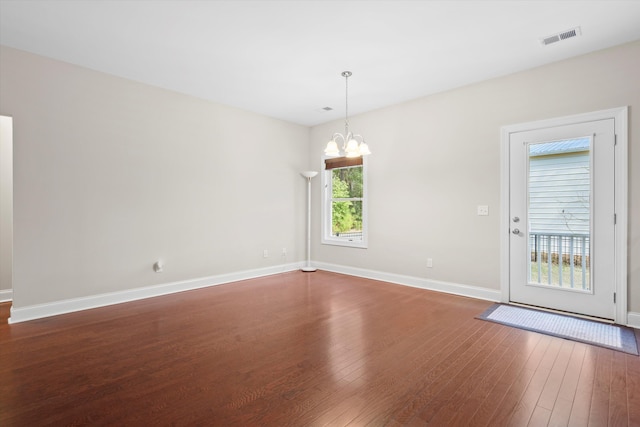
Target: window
(344, 202)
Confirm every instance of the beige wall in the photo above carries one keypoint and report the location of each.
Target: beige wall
(436, 158)
(6, 202)
(111, 175)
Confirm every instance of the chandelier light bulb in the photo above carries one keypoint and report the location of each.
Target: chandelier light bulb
(332, 149)
(364, 149)
(352, 148)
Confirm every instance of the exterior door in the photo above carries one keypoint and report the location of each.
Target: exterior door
(561, 218)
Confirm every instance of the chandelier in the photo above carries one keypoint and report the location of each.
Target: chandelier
(351, 145)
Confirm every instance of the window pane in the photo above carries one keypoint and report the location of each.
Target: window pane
(343, 202)
(347, 182)
(559, 213)
(347, 220)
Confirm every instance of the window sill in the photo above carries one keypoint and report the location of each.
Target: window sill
(345, 243)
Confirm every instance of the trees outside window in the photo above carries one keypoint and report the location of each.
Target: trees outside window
(344, 202)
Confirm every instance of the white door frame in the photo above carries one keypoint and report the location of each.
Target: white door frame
(620, 117)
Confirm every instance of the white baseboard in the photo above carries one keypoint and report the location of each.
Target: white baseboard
(77, 304)
(633, 319)
(6, 295)
(416, 282)
(55, 308)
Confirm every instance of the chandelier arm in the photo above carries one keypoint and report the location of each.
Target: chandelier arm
(340, 136)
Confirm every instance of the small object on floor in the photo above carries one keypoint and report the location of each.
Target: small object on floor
(615, 337)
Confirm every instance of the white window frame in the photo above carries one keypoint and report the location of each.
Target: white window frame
(327, 238)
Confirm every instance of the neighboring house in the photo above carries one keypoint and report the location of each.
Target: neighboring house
(559, 189)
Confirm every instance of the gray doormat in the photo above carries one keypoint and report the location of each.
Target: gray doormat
(615, 337)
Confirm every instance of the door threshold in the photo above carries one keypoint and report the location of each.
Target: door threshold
(564, 313)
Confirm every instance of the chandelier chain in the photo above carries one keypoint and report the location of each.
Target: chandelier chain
(346, 101)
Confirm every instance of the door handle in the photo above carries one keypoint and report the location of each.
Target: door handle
(516, 231)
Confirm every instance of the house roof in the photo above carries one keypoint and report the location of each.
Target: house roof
(560, 147)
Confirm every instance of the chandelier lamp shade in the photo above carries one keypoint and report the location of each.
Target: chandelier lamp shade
(347, 144)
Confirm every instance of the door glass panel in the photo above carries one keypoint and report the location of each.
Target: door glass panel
(559, 213)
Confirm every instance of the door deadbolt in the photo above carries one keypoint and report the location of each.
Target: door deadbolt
(516, 219)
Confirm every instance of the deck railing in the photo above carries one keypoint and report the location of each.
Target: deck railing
(553, 254)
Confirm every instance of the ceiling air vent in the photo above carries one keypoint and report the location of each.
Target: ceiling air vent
(560, 36)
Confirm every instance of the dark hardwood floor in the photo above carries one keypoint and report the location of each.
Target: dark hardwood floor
(305, 349)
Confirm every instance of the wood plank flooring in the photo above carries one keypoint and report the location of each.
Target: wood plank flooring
(305, 349)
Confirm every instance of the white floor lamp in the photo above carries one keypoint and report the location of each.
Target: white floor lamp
(308, 175)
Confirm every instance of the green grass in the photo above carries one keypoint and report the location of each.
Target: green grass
(555, 275)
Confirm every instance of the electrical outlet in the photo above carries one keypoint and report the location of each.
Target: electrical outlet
(483, 210)
(158, 266)
(429, 262)
(265, 253)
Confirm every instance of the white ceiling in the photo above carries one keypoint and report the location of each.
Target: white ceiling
(284, 58)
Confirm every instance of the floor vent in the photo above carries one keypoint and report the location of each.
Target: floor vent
(560, 36)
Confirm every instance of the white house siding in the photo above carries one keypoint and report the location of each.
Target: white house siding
(559, 193)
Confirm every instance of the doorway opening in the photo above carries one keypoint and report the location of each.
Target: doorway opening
(6, 208)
